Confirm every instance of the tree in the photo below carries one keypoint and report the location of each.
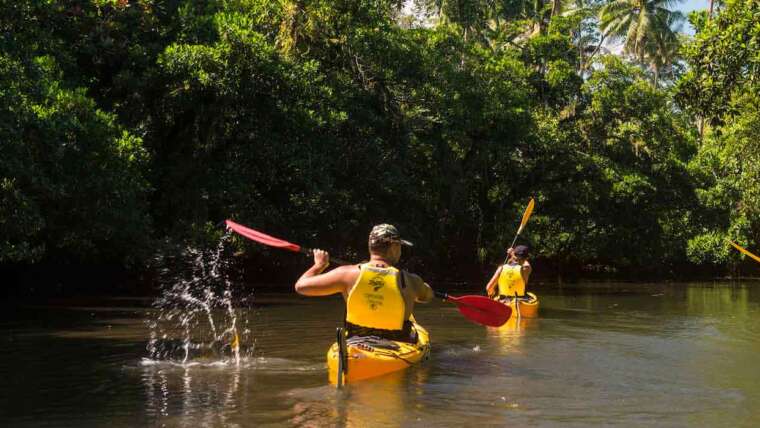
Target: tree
(71, 180)
(646, 28)
(723, 62)
(722, 86)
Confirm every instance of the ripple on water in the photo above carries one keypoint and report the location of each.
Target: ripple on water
(686, 361)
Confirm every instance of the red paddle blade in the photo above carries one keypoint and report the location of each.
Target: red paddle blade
(262, 237)
(482, 310)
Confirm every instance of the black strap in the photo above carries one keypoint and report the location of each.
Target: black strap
(403, 335)
(524, 298)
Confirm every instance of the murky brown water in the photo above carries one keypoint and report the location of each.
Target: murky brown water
(614, 354)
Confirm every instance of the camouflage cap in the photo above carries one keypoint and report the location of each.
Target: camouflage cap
(386, 233)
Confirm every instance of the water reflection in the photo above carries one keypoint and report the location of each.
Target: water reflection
(386, 401)
(509, 337)
(192, 395)
(719, 300)
(638, 355)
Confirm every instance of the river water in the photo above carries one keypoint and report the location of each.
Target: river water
(610, 354)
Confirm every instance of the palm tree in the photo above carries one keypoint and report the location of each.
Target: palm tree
(663, 48)
(646, 26)
(585, 36)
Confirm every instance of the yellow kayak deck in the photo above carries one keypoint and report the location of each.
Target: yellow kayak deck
(528, 308)
(371, 358)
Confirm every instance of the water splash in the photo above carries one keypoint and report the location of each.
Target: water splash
(195, 316)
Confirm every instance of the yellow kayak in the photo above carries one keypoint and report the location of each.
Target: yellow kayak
(528, 307)
(368, 357)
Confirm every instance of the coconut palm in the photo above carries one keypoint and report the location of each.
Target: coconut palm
(646, 26)
(663, 48)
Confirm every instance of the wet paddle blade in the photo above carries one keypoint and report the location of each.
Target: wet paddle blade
(235, 345)
(262, 237)
(482, 310)
(526, 215)
(744, 251)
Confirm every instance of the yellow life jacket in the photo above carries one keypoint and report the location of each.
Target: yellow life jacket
(511, 282)
(376, 300)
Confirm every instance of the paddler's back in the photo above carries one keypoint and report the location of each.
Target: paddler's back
(413, 288)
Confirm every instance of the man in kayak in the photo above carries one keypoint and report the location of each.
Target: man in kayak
(379, 298)
(511, 278)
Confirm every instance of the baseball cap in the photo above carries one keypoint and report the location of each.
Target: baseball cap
(521, 251)
(386, 233)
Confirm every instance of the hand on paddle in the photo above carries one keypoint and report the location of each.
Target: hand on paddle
(321, 259)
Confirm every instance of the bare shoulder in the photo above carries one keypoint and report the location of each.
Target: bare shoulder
(527, 268)
(348, 273)
(348, 268)
(413, 278)
(422, 292)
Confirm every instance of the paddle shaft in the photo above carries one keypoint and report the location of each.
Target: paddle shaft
(441, 295)
(310, 251)
(744, 251)
(512, 245)
(517, 308)
(342, 356)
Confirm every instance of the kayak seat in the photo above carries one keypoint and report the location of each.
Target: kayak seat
(369, 343)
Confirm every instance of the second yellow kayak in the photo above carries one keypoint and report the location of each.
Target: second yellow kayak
(528, 307)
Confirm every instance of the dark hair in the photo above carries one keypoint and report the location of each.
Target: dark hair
(521, 251)
(379, 247)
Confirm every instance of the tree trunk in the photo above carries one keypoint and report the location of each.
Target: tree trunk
(539, 26)
(556, 5)
(701, 128)
(656, 75)
(596, 50)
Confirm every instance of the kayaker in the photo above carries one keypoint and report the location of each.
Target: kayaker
(379, 297)
(511, 280)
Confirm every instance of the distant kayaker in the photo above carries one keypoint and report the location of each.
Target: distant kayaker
(510, 280)
(379, 297)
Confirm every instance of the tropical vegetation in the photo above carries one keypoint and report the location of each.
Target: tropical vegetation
(127, 127)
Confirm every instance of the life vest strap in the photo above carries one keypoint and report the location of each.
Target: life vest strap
(524, 298)
(406, 334)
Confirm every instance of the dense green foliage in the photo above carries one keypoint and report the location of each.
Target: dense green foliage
(72, 183)
(127, 123)
(722, 92)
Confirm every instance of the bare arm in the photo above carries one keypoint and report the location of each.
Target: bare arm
(525, 271)
(423, 291)
(314, 283)
(491, 286)
(426, 294)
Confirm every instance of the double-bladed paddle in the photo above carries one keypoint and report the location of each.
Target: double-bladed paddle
(479, 309)
(526, 215)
